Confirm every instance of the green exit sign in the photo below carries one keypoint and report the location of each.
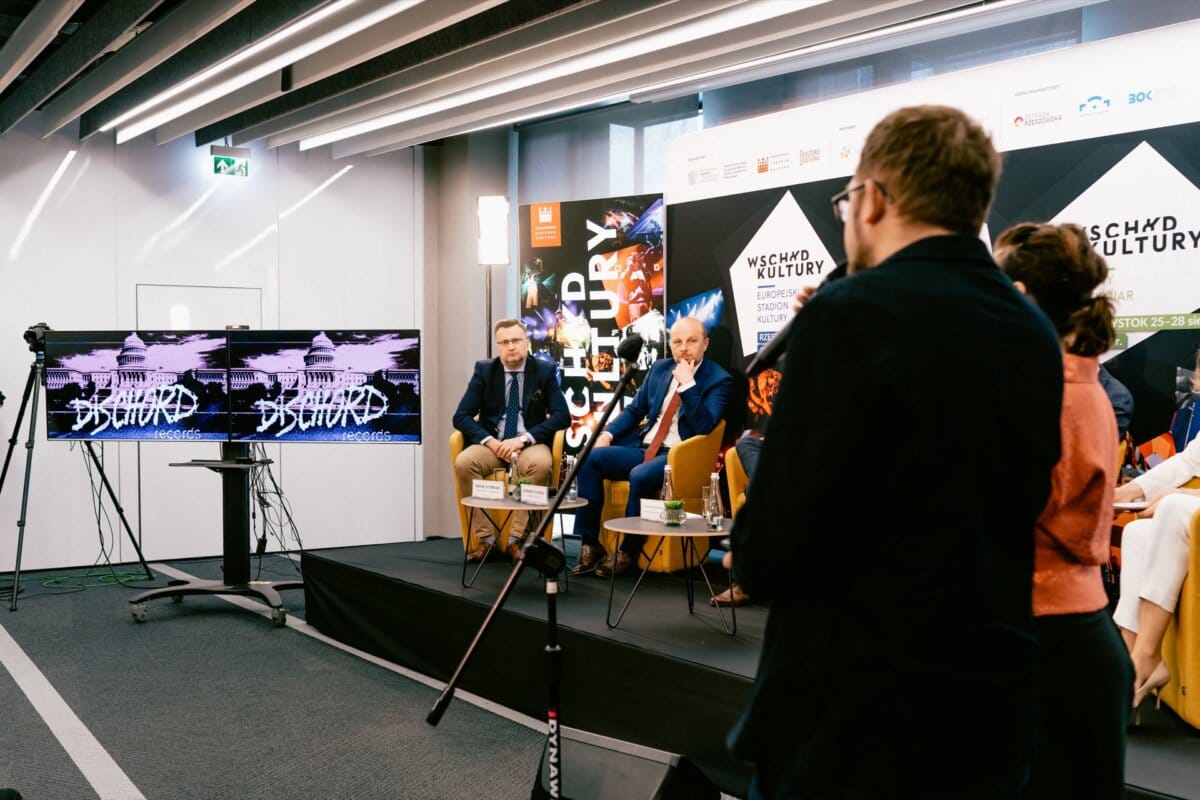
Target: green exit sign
(230, 160)
(223, 165)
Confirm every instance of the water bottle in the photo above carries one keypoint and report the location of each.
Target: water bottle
(573, 488)
(514, 489)
(668, 488)
(714, 514)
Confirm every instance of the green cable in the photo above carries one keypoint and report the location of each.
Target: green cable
(106, 578)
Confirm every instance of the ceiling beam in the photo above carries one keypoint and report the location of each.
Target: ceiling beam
(112, 21)
(679, 61)
(589, 29)
(37, 30)
(493, 22)
(176, 30)
(237, 33)
(395, 31)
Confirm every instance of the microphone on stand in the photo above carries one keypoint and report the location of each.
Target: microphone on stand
(630, 347)
(775, 350)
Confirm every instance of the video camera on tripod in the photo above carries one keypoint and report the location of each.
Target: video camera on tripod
(35, 337)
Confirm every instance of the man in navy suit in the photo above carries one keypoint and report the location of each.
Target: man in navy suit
(510, 412)
(682, 396)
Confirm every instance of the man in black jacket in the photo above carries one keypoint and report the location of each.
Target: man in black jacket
(891, 517)
(510, 412)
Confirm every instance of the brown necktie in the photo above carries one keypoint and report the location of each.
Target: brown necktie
(664, 426)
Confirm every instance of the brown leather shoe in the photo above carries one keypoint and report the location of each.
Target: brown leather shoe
(589, 556)
(481, 552)
(733, 596)
(514, 550)
(619, 563)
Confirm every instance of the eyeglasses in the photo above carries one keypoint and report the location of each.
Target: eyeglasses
(509, 342)
(841, 200)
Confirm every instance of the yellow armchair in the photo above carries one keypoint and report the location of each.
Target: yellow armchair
(1181, 644)
(738, 480)
(691, 462)
(456, 447)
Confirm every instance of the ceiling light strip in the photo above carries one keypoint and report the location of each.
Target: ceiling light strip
(714, 24)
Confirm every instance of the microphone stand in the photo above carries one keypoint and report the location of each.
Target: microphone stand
(549, 560)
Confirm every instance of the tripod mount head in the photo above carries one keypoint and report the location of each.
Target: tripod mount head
(35, 337)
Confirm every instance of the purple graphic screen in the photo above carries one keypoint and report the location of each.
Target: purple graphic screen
(143, 385)
(325, 386)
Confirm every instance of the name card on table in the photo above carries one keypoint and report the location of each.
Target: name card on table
(487, 490)
(535, 495)
(652, 510)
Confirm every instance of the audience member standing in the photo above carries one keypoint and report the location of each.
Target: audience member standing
(1085, 679)
(891, 518)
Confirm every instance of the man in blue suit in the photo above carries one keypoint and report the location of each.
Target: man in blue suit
(510, 412)
(682, 396)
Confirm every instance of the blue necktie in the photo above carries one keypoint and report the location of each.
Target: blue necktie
(513, 408)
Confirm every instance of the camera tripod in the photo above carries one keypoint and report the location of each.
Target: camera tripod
(37, 379)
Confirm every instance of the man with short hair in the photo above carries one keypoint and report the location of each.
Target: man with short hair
(510, 412)
(891, 518)
(681, 397)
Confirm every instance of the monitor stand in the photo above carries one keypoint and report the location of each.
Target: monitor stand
(234, 467)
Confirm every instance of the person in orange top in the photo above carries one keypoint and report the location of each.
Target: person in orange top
(1085, 676)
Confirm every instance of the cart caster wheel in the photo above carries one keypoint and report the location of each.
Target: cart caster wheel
(279, 617)
(138, 612)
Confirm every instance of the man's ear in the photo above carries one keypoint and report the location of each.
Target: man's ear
(874, 203)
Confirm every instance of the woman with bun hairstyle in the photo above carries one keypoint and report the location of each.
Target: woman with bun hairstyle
(1085, 679)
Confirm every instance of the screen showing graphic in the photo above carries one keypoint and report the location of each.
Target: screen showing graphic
(325, 386)
(141, 385)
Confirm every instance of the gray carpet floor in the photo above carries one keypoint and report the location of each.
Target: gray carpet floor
(207, 700)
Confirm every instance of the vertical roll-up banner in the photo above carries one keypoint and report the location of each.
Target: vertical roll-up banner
(591, 274)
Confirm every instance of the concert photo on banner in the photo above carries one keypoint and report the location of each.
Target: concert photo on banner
(142, 385)
(592, 274)
(325, 386)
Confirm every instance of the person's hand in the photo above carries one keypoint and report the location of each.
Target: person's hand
(509, 448)
(1149, 510)
(1128, 493)
(803, 295)
(603, 439)
(727, 560)
(685, 373)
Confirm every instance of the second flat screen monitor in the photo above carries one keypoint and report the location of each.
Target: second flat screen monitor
(325, 386)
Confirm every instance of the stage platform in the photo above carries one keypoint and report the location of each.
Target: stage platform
(664, 678)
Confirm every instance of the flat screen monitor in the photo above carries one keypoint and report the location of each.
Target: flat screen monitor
(325, 386)
(139, 385)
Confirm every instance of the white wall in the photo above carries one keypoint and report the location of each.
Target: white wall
(141, 235)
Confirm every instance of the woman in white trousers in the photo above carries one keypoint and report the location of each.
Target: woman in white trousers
(1154, 561)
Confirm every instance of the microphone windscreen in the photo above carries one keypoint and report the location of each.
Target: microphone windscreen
(630, 348)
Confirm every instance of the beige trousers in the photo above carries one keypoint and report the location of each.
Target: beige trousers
(477, 461)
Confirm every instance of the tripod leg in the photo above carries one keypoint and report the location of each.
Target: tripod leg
(12, 442)
(16, 587)
(120, 511)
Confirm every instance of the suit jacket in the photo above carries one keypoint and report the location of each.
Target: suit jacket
(700, 408)
(543, 408)
(891, 520)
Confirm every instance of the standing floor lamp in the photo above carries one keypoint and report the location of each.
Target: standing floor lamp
(493, 249)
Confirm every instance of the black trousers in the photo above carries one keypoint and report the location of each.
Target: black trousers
(1085, 688)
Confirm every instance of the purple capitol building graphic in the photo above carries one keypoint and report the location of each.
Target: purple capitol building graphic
(151, 384)
(339, 385)
(320, 372)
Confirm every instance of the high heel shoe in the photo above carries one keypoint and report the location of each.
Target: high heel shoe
(1158, 679)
